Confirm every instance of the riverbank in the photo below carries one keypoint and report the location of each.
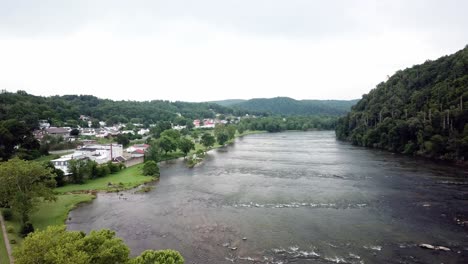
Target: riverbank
(47, 214)
(71, 195)
(125, 179)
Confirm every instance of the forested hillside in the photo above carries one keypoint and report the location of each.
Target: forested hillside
(288, 106)
(228, 102)
(421, 110)
(65, 110)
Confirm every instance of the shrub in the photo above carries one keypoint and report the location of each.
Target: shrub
(7, 215)
(10, 229)
(26, 228)
(150, 168)
(12, 241)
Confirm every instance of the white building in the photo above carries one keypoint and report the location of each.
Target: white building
(62, 162)
(101, 153)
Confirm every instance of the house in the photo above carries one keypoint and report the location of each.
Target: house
(143, 131)
(142, 147)
(58, 131)
(43, 124)
(138, 153)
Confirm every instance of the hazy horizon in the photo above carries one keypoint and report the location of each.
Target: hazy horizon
(216, 50)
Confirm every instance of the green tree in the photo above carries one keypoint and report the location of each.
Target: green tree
(153, 152)
(222, 138)
(171, 133)
(207, 140)
(79, 170)
(195, 135)
(167, 144)
(59, 246)
(185, 145)
(159, 257)
(22, 183)
(123, 139)
(231, 131)
(151, 168)
(241, 129)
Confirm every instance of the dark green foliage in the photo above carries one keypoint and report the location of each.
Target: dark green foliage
(222, 138)
(16, 138)
(7, 214)
(151, 168)
(26, 228)
(421, 110)
(59, 174)
(185, 145)
(123, 139)
(289, 107)
(277, 124)
(79, 170)
(113, 167)
(158, 257)
(65, 110)
(207, 140)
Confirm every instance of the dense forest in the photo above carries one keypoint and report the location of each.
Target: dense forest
(278, 124)
(420, 111)
(65, 110)
(289, 107)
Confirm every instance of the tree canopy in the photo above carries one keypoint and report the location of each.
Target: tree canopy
(420, 110)
(58, 246)
(22, 183)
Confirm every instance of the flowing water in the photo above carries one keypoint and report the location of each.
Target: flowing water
(296, 197)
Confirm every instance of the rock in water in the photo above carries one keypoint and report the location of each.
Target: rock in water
(427, 246)
(442, 248)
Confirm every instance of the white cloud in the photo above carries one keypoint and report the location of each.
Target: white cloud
(192, 59)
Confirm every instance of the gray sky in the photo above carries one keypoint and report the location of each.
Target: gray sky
(219, 49)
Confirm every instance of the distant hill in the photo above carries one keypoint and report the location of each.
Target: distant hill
(66, 110)
(421, 111)
(228, 102)
(289, 106)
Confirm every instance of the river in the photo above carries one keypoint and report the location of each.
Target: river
(295, 197)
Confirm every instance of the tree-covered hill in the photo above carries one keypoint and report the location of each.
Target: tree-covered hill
(228, 102)
(421, 110)
(288, 106)
(61, 110)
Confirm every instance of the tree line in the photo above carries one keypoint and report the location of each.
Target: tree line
(66, 110)
(418, 111)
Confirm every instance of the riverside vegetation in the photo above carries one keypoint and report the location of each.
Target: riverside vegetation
(417, 111)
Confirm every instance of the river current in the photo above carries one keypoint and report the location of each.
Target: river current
(295, 197)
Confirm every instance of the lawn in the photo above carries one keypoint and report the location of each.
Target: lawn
(49, 213)
(3, 253)
(127, 178)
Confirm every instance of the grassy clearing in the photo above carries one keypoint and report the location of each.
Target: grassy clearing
(3, 252)
(126, 178)
(49, 213)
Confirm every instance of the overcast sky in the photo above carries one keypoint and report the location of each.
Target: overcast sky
(218, 49)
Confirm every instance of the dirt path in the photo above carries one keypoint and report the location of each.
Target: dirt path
(5, 237)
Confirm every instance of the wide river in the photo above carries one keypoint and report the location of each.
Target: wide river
(296, 197)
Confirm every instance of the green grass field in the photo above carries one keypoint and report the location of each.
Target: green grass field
(49, 213)
(129, 177)
(3, 253)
